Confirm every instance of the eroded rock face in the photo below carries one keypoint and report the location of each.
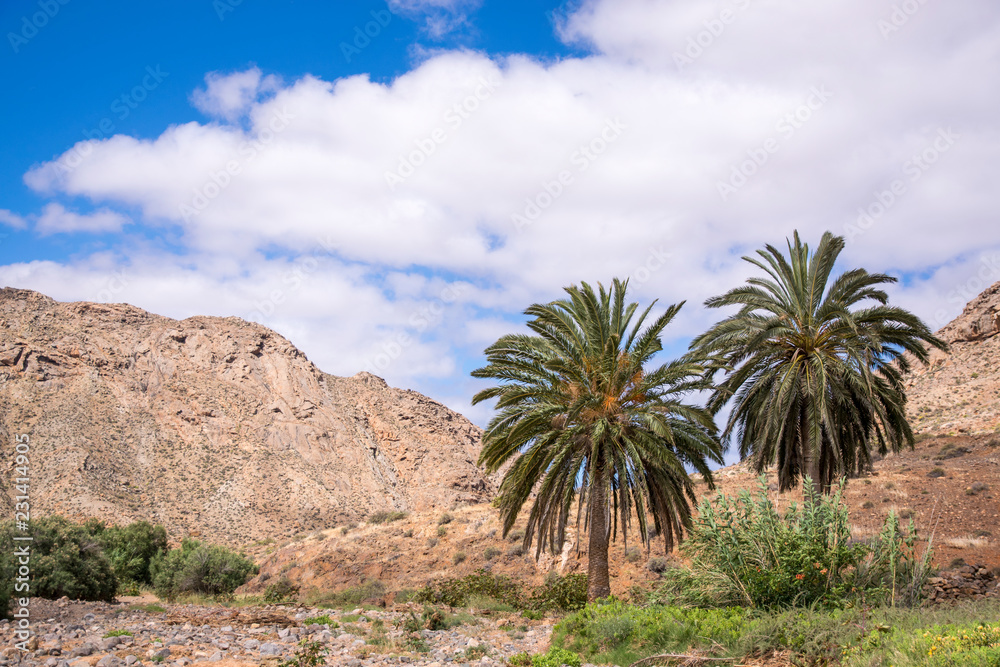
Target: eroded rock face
(959, 391)
(979, 320)
(213, 426)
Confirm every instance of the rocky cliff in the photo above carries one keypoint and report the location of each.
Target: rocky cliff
(959, 392)
(212, 426)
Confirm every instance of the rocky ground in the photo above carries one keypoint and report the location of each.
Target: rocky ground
(89, 634)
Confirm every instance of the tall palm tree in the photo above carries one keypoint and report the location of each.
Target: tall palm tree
(815, 367)
(583, 419)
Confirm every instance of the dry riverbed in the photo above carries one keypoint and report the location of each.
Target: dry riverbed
(95, 634)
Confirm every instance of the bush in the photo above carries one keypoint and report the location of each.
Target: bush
(936, 472)
(445, 518)
(66, 559)
(556, 657)
(743, 552)
(657, 564)
(283, 590)
(131, 549)
(458, 557)
(387, 516)
(208, 569)
(491, 552)
(563, 593)
(442, 531)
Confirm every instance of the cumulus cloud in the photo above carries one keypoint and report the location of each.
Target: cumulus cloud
(56, 219)
(229, 96)
(650, 158)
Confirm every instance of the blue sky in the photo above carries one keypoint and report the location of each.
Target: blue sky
(392, 201)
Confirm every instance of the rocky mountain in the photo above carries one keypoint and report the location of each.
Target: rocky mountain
(212, 426)
(959, 392)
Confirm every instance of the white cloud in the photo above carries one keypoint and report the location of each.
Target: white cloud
(12, 219)
(55, 219)
(229, 96)
(440, 17)
(473, 141)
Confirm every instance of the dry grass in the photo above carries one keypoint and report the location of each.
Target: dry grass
(967, 542)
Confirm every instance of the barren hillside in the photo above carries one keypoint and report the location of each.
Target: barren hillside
(212, 426)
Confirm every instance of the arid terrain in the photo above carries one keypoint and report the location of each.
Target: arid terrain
(222, 429)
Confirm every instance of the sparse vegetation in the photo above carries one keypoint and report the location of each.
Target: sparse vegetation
(283, 590)
(442, 531)
(936, 472)
(445, 518)
(491, 552)
(458, 557)
(369, 591)
(657, 564)
(562, 593)
(386, 516)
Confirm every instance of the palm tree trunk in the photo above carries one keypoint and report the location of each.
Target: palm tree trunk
(598, 577)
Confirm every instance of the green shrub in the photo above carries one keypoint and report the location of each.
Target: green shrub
(556, 657)
(117, 633)
(442, 531)
(66, 559)
(519, 660)
(445, 518)
(567, 593)
(282, 590)
(387, 516)
(491, 552)
(321, 620)
(562, 593)
(208, 569)
(131, 549)
(743, 552)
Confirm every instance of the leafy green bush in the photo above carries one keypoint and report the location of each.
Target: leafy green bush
(208, 569)
(567, 593)
(556, 657)
(743, 552)
(131, 549)
(66, 559)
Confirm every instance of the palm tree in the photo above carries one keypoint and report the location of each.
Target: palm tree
(815, 367)
(583, 420)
